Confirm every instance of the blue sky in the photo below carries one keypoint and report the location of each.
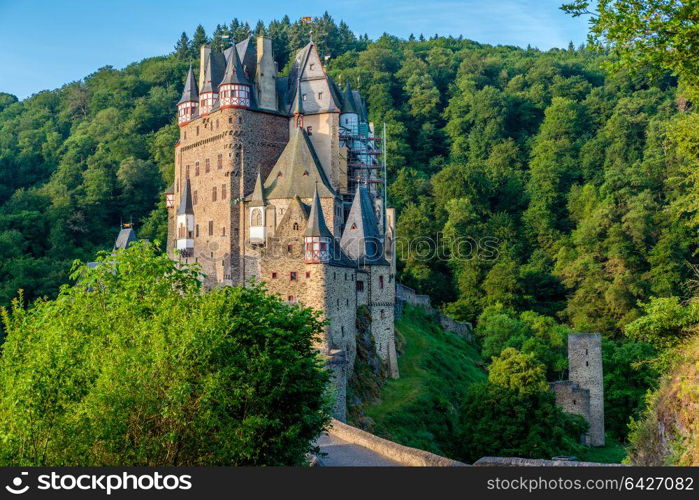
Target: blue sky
(46, 43)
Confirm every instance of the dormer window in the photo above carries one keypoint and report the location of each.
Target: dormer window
(305, 173)
(354, 226)
(304, 97)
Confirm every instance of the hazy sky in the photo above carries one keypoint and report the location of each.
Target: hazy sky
(46, 43)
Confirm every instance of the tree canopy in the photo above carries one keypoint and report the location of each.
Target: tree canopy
(134, 365)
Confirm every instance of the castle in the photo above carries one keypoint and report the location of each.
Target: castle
(278, 179)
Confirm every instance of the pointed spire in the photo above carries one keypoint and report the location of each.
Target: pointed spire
(348, 100)
(258, 196)
(316, 221)
(208, 75)
(234, 71)
(297, 109)
(190, 92)
(186, 206)
(361, 238)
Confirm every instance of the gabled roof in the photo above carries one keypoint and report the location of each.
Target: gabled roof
(298, 171)
(185, 207)
(361, 238)
(234, 70)
(316, 220)
(190, 92)
(126, 236)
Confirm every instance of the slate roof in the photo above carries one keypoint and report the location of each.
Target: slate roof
(316, 220)
(257, 198)
(126, 236)
(185, 207)
(298, 171)
(234, 70)
(348, 104)
(190, 92)
(361, 239)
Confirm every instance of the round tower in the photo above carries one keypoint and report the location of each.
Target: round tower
(234, 90)
(317, 238)
(189, 102)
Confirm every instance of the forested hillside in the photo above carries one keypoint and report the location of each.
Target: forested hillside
(574, 186)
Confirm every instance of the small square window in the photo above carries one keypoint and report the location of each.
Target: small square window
(292, 276)
(274, 276)
(308, 274)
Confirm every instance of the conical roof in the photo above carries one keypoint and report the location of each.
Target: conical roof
(316, 221)
(186, 207)
(298, 171)
(257, 199)
(361, 239)
(208, 75)
(190, 92)
(297, 108)
(349, 106)
(234, 70)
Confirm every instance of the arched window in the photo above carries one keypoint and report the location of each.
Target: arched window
(296, 226)
(256, 217)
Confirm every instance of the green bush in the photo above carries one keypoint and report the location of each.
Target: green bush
(495, 421)
(134, 365)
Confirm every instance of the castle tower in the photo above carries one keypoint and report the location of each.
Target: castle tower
(234, 90)
(208, 93)
(317, 238)
(189, 102)
(257, 214)
(585, 370)
(362, 242)
(185, 222)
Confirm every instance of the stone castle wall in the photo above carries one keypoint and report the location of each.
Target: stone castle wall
(573, 399)
(406, 295)
(238, 143)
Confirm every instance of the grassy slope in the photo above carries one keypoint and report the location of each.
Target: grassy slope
(436, 367)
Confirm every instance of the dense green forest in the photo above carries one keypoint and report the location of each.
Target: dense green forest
(573, 181)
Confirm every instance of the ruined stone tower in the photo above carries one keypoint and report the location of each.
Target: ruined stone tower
(583, 392)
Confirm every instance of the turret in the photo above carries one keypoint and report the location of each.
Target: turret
(349, 118)
(257, 213)
(185, 222)
(317, 238)
(297, 109)
(207, 94)
(187, 106)
(234, 90)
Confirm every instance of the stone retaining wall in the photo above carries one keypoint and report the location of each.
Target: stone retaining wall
(533, 462)
(406, 295)
(402, 454)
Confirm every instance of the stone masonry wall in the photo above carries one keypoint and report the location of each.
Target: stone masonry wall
(573, 399)
(585, 369)
(247, 142)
